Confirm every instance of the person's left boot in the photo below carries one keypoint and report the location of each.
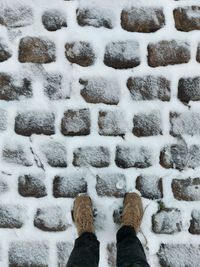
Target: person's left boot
(83, 214)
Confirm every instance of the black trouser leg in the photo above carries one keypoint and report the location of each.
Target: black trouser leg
(85, 252)
(130, 252)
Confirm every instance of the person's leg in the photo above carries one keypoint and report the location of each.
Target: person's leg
(130, 252)
(86, 249)
(85, 252)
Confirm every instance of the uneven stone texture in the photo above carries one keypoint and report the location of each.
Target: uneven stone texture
(63, 252)
(53, 20)
(34, 122)
(143, 19)
(195, 223)
(187, 123)
(117, 215)
(149, 88)
(51, 219)
(36, 50)
(76, 122)
(179, 156)
(167, 221)
(111, 185)
(17, 15)
(122, 54)
(186, 189)
(150, 186)
(94, 17)
(112, 253)
(80, 53)
(27, 253)
(9, 91)
(69, 185)
(17, 155)
(30, 185)
(133, 156)
(55, 154)
(11, 216)
(4, 187)
(166, 53)
(147, 124)
(189, 89)
(198, 53)
(179, 255)
(96, 156)
(112, 123)
(54, 87)
(187, 18)
(5, 52)
(3, 119)
(100, 90)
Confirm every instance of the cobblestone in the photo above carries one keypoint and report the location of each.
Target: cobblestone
(133, 156)
(112, 123)
(55, 154)
(188, 255)
(111, 185)
(9, 91)
(150, 186)
(142, 19)
(51, 219)
(198, 53)
(76, 122)
(187, 18)
(5, 52)
(100, 90)
(36, 50)
(122, 55)
(17, 155)
(195, 223)
(94, 17)
(149, 88)
(53, 20)
(11, 216)
(185, 123)
(179, 156)
(69, 185)
(33, 122)
(167, 53)
(147, 124)
(186, 189)
(98, 157)
(167, 221)
(27, 253)
(16, 16)
(80, 53)
(189, 89)
(32, 185)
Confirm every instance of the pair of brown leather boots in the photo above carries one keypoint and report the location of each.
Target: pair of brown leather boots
(83, 214)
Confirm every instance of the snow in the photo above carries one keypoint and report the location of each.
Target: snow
(99, 38)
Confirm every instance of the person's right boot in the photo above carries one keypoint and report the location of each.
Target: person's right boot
(83, 214)
(132, 211)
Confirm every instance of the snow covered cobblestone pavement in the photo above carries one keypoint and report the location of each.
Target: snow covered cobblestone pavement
(100, 97)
